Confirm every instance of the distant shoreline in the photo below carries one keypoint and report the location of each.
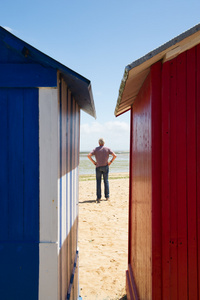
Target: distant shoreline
(87, 177)
(120, 165)
(116, 151)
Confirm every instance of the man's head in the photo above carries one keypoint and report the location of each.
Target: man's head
(101, 142)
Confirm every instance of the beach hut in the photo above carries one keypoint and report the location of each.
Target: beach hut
(40, 102)
(162, 91)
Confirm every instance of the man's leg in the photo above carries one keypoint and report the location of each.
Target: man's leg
(106, 183)
(98, 183)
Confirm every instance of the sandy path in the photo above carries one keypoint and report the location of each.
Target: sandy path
(103, 241)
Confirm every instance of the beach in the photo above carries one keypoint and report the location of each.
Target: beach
(103, 239)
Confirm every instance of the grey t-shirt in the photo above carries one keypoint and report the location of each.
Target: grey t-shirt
(101, 154)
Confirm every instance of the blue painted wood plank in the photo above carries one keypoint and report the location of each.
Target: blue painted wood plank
(15, 163)
(19, 276)
(4, 167)
(31, 165)
(3, 52)
(7, 54)
(27, 75)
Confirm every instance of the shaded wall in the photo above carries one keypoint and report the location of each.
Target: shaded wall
(59, 158)
(140, 231)
(68, 186)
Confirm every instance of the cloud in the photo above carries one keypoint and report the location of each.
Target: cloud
(95, 127)
(115, 133)
(8, 29)
(117, 125)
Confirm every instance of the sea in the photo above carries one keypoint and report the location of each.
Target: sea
(120, 165)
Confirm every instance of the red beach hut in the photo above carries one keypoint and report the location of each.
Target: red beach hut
(162, 91)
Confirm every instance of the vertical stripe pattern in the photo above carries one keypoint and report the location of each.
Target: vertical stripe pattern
(169, 102)
(68, 187)
(180, 177)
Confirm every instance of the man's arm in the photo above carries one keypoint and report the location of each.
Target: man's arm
(92, 160)
(113, 158)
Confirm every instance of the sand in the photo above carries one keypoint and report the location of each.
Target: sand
(103, 239)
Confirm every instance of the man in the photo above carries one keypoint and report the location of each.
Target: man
(102, 164)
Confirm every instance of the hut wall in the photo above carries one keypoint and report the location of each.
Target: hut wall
(49, 200)
(164, 220)
(59, 158)
(180, 176)
(39, 193)
(69, 133)
(140, 229)
(39, 131)
(19, 193)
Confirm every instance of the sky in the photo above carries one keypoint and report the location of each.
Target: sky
(98, 39)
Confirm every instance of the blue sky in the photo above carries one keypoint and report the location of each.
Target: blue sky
(98, 39)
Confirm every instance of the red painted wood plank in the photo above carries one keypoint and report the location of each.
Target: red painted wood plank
(191, 173)
(173, 202)
(198, 162)
(141, 243)
(181, 177)
(165, 182)
(130, 187)
(156, 180)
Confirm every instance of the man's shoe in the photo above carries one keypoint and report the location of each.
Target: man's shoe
(107, 198)
(98, 201)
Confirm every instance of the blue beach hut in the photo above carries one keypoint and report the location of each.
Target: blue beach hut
(40, 102)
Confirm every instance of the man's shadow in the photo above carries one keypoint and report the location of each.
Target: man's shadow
(91, 201)
(87, 201)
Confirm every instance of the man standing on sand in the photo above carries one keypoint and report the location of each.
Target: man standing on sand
(102, 164)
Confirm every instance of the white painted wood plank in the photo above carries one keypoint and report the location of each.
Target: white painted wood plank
(48, 271)
(58, 192)
(76, 162)
(77, 157)
(64, 160)
(68, 186)
(68, 160)
(48, 133)
(73, 178)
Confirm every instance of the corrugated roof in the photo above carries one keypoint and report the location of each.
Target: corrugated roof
(136, 72)
(79, 85)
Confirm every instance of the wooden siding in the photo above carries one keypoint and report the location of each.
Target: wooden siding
(19, 174)
(59, 158)
(140, 246)
(165, 181)
(164, 220)
(156, 180)
(180, 177)
(49, 202)
(68, 187)
(40, 132)
(27, 75)
(198, 161)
